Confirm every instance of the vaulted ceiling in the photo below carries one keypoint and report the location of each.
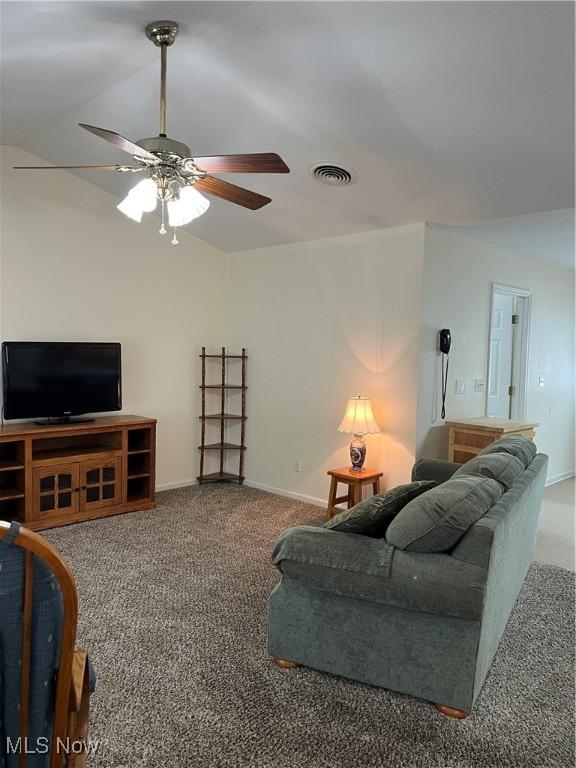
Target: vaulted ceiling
(456, 112)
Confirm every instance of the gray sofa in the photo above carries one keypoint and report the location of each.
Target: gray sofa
(426, 624)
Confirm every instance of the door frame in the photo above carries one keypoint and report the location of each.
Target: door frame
(524, 356)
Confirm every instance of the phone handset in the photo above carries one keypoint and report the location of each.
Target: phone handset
(445, 340)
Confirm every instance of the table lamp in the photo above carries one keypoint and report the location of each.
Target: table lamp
(358, 420)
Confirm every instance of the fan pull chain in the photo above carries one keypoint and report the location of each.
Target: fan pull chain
(162, 229)
(174, 240)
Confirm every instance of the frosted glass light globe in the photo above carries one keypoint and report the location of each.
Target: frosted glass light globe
(141, 199)
(187, 207)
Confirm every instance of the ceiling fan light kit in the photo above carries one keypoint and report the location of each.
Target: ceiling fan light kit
(172, 176)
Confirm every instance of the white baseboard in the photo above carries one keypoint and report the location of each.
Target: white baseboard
(289, 494)
(179, 484)
(559, 477)
(314, 499)
(260, 486)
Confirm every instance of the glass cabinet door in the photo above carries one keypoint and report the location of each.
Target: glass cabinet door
(55, 491)
(100, 483)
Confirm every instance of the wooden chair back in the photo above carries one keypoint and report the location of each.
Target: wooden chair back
(35, 546)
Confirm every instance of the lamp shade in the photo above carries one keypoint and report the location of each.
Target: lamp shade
(187, 207)
(359, 419)
(141, 199)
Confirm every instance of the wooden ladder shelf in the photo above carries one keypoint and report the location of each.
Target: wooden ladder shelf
(222, 418)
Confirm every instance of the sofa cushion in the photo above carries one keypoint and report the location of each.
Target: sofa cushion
(434, 469)
(372, 516)
(334, 549)
(502, 467)
(435, 521)
(365, 568)
(518, 446)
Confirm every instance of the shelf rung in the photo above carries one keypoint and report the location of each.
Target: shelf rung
(219, 477)
(222, 416)
(220, 386)
(225, 446)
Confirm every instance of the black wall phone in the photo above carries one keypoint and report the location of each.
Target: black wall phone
(445, 340)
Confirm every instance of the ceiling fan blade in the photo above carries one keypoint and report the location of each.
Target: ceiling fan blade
(263, 162)
(119, 141)
(232, 193)
(76, 167)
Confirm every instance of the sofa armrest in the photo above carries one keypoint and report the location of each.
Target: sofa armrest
(365, 568)
(434, 469)
(333, 549)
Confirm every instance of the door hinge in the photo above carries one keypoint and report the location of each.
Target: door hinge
(515, 319)
(511, 389)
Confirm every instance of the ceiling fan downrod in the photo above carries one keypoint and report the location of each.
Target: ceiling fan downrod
(162, 34)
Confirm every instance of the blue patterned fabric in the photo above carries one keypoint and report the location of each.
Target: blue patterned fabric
(47, 618)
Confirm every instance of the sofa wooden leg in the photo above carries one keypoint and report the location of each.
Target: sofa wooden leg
(285, 664)
(451, 712)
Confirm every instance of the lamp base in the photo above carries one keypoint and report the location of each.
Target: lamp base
(357, 453)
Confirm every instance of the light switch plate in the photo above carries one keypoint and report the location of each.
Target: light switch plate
(479, 385)
(460, 388)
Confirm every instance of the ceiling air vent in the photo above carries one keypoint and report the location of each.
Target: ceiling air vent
(334, 175)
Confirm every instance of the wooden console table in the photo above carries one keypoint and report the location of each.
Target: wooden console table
(355, 482)
(58, 474)
(469, 436)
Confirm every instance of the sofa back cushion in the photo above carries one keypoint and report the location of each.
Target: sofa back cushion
(502, 467)
(517, 446)
(434, 469)
(372, 516)
(435, 521)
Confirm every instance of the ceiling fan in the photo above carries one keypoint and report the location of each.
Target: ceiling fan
(172, 175)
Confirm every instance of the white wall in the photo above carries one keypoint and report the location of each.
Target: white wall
(458, 277)
(323, 320)
(75, 268)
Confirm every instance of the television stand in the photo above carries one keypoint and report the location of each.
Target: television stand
(64, 420)
(59, 473)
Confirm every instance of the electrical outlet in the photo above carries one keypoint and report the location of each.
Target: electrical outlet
(460, 387)
(298, 465)
(478, 385)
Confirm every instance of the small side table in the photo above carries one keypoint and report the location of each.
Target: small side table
(355, 482)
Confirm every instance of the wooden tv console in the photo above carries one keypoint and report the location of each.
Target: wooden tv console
(58, 474)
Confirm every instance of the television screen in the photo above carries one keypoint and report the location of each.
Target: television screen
(60, 379)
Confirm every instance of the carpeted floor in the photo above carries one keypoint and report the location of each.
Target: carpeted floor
(173, 613)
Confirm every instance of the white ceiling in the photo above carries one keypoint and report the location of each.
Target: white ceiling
(450, 112)
(547, 237)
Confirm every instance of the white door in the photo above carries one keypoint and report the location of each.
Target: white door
(519, 341)
(501, 348)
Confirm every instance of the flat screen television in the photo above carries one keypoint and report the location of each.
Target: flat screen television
(58, 380)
